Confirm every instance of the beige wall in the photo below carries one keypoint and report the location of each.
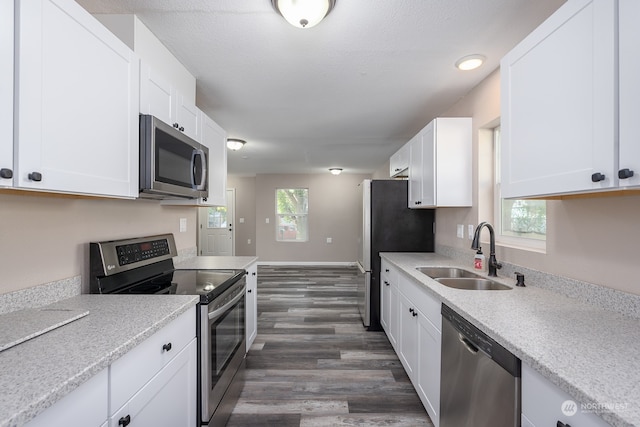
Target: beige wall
(333, 212)
(594, 240)
(46, 238)
(245, 208)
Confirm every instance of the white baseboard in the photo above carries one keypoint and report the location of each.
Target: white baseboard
(309, 263)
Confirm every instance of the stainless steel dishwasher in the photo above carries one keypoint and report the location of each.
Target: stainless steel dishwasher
(480, 379)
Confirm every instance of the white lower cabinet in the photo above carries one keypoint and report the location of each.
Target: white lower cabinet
(168, 399)
(389, 301)
(414, 329)
(85, 406)
(544, 404)
(251, 305)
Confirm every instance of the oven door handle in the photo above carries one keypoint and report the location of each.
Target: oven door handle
(217, 312)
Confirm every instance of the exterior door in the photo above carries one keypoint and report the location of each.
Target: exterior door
(216, 231)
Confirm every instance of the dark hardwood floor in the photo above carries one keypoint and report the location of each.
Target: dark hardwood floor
(313, 363)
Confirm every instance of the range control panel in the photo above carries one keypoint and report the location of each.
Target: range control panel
(134, 252)
(116, 256)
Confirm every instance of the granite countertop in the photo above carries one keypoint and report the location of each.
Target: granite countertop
(588, 352)
(216, 263)
(37, 373)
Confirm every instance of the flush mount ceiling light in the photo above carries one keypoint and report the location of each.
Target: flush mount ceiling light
(470, 62)
(235, 144)
(303, 13)
(335, 171)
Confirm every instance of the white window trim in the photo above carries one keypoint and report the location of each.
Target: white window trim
(522, 243)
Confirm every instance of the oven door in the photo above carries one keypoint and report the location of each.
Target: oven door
(222, 346)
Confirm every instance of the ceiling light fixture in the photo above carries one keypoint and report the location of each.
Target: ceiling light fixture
(335, 171)
(303, 13)
(470, 62)
(235, 144)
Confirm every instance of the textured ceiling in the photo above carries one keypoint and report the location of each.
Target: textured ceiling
(348, 92)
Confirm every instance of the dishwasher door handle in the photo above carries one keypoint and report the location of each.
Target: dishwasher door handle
(468, 344)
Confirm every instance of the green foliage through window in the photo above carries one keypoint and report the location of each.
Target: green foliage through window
(292, 209)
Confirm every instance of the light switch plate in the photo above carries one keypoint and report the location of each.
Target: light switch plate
(460, 232)
(183, 225)
(241, 220)
(266, 220)
(471, 231)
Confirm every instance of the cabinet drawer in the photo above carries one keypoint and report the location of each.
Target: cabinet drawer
(427, 304)
(137, 367)
(543, 403)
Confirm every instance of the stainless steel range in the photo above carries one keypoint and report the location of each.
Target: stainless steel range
(145, 266)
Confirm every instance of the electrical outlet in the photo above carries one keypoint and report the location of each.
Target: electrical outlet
(183, 225)
(471, 231)
(248, 241)
(266, 220)
(460, 232)
(329, 240)
(241, 220)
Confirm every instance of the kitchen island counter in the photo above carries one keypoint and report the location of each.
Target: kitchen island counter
(590, 353)
(216, 263)
(36, 374)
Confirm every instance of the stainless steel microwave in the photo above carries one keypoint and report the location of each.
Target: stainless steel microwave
(171, 164)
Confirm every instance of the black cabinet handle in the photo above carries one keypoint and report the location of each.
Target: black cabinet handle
(166, 347)
(176, 125)
(124, 421)
(625, 173)
(181, 129)
(35, 176)
(597, 177)
(253, 274)
(417, 202)
(561, 424)
(6, 173)
(249, 291)
(410, 310)
(386, 283)
(386, 270)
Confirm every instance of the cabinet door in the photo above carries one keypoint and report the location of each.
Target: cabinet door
(77, 127)
(6, 88)
(629, 66)
(188, 117)
(399, 161)
(558, 104)
(543, 404)
(85, 406)
(428, 196)
(428, 383)
(415, 171)
(385, 291)
(408, 339)
(215, 138)
(157, 95)
(169, 399)
(251, 324)
(394, 314)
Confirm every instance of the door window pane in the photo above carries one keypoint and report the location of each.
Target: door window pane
(217, 217)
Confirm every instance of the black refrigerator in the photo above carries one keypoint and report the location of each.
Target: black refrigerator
(387, 225)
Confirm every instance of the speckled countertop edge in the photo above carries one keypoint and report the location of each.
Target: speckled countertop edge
(36, 374)
(588, 352)
(216, 262)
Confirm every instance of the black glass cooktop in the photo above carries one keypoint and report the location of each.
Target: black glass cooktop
(206, 283)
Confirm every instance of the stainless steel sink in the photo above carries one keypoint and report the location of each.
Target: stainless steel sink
(472, 284)
(442, 272)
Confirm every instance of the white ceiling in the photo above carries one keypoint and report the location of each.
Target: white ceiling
(346, 93)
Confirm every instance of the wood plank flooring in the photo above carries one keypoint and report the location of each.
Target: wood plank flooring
(313, 363)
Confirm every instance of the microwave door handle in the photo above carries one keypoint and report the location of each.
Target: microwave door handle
(203, 167)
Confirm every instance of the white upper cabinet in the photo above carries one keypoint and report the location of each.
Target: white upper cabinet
(215, 138)
(399, 162)
(440, 164)
(629, 85)
(558, 104)
(159, 98)
(77, 103)
(6, 88)
(157, 94)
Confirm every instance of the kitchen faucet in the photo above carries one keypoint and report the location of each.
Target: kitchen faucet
(494, 265)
